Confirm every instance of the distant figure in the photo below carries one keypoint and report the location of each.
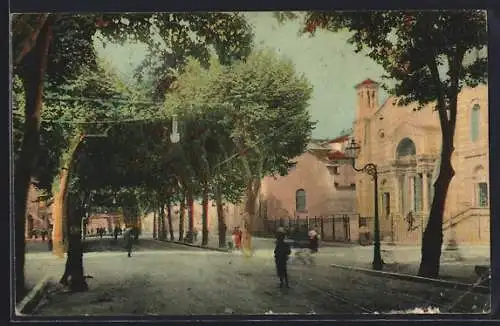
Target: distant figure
(313, 244)
(234, 237)
(127, 236)
(195, 234)
(281, 253)
(239, 236)
(116, 232)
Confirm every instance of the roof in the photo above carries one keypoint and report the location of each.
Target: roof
(321, 154)
(339, 139)
(336, 155)
(366, 82)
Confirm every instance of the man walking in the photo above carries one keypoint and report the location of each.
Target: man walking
(313, 244)
(281, 253)
(127, 236)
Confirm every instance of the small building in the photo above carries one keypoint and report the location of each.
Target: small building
(38, 214)
(317, 191)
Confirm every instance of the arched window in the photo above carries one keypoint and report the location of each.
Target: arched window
(300, 200)
(406, 147)
(474, 123)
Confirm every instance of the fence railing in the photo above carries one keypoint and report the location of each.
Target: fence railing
(337, 227)
(396, 229)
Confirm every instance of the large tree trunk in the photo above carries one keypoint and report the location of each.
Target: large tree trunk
(73, 273)
(33, 76)
(447, 105)
(204, 217)
(169, 219)
(59, 206)
(252, 193)
(58, 210)
(221, 221)
(432, 239)
(182, 212)
(190, 207)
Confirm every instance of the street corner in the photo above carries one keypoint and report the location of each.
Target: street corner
(33, 298)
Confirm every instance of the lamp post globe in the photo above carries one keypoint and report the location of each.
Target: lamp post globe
(353, 149)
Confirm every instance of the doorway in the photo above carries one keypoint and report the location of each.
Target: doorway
(386, 204)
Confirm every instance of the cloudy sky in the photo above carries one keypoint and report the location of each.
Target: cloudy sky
(326, 59)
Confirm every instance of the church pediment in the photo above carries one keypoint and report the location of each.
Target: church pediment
(410, 129)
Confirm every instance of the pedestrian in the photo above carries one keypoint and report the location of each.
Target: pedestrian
(127, 236)
(281, 253)
(313, 244)
(234, 237)
(116, 231)
(239, 236)
(195, 234)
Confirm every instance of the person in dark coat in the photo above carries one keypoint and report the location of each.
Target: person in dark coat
(313, 244)
(281, 253)
(127, 236)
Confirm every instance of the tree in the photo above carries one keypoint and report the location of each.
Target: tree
(266, 102)
(72, 48)
(206, 140)
(431, 56)
(34, 65)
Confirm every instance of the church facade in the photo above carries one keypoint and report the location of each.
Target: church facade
(405, 143)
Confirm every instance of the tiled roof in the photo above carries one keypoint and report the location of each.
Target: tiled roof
(336, 155)
(366, 82)
(339, 139)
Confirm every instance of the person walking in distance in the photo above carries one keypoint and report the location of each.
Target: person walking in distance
(313, 244)
(234, 237)
(281, 253)
(239, 237)
(127, 236)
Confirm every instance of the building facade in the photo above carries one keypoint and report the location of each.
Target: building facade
(315, 189)
(405, 143)
(38, 215)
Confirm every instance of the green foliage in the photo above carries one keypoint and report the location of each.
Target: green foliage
(172, 38)
(413, 46)
(267, 111)
(240, 122)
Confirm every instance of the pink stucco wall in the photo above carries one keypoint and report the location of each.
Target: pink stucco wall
(322, 197)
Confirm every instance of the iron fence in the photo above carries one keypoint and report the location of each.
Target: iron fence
(396, 229)
(337, 227)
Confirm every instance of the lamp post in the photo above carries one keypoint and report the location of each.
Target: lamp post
(352, 152)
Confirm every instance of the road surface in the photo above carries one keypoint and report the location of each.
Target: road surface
(170, 279)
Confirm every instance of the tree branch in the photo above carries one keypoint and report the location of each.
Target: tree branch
(441, 103)
(455, 71)
(30, 41)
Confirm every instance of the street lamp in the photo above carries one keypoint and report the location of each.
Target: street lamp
(174, 135)
(352, 152)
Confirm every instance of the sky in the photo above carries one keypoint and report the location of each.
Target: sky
(327, 61)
